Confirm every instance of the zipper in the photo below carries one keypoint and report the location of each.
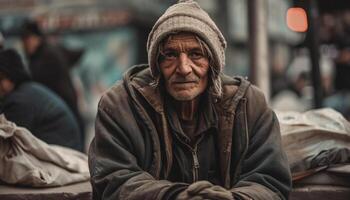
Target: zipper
(195, 168)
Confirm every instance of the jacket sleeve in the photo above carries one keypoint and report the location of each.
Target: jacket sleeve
(115, 155)
(265, 173)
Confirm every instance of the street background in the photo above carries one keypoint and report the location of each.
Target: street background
(303, 64)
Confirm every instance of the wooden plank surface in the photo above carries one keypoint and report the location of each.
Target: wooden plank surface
(79, 191)
(82, 191)
(320, 192)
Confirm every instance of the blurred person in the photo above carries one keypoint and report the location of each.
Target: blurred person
(33, 106)
(339, 97)
(342, 61)
(50, 65)
(178, 128)
(1, 41)
(342, 81)
(299, 93)
(328, 28)
(279, 59)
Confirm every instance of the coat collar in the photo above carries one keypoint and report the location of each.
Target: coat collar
(141, 79)
(207, 116)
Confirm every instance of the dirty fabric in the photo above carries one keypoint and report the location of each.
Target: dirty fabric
(314, 140)
(26, 160)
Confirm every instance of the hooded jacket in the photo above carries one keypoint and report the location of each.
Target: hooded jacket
(131, 154)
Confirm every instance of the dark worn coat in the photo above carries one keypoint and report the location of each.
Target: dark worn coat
(131, 154)
(43, 113)
(50, 67)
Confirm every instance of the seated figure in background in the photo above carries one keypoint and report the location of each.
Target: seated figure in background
(1, 41)
(33, 106)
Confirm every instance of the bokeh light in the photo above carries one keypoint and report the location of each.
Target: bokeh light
(297, 19)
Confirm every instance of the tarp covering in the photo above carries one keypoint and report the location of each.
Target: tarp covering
(26, 160)
(314, 140)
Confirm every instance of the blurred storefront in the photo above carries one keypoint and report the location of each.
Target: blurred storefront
(113, 35)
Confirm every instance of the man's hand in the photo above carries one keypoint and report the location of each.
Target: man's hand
(216, 192)
(191, 192)
(204, 190)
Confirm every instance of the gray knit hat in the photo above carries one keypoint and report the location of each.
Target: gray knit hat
(186, 16)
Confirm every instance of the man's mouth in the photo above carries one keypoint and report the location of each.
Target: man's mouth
(184, 81)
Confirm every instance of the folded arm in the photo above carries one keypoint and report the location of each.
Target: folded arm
(115, 158)
(265, 173)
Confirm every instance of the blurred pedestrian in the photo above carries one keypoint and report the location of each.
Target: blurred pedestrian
(33, 106)
(50, 66)
(342, 59)
(1, 41)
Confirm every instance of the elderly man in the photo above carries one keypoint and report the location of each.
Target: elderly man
(180, 129)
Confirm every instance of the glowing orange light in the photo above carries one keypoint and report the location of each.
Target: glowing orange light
(297, 19)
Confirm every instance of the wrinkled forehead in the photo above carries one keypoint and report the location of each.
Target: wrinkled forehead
(182, 41)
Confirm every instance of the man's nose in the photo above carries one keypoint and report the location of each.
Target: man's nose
(184, 66)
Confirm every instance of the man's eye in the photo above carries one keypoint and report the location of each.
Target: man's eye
(170, 55)
(195, 55)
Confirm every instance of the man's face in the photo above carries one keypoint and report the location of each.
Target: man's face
(30, 43)
(184, 66)
(6, 86)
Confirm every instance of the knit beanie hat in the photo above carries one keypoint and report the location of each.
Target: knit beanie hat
(12, 66)
(186, 16)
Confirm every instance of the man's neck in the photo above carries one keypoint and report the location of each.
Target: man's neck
(187, 110)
